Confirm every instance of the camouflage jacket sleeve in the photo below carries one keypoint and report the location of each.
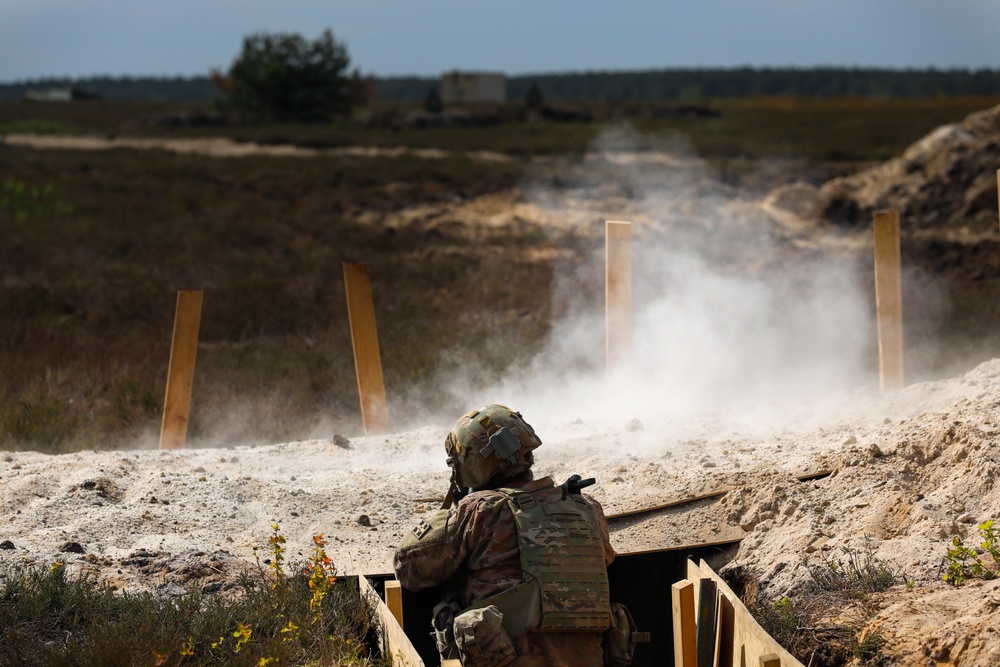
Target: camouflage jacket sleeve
(609, 551)
(441, 543)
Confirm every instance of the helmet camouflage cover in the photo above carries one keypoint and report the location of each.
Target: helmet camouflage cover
(490, 444)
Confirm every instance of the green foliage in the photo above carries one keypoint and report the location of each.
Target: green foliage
(35, 421)
(824, 623)
(21, 201)
(857, 570)
(33, 126)
(287, 78)
(781, 619)
(965, 562)
(48, 617)
(659, 84)
(868, 649)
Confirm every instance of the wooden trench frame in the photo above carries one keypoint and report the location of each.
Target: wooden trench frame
(711, 626)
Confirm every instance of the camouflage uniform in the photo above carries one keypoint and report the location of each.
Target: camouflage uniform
(476, 543)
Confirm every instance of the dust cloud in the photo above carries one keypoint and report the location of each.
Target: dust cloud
(731, 324)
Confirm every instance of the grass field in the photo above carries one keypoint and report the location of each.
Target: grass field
(95, 246)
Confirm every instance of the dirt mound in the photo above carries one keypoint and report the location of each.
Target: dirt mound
(909, 471)
(945, 181)
(906, 485)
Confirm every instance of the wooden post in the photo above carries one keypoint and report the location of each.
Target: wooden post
(364, 338)
(685, 625)
(394, 600)
(708, 622)
(180, 373)
(618, 292)
(889, 300)
(770, 660)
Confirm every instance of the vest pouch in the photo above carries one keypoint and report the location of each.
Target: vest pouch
(481, 638)
(617, 642)
(442, 624)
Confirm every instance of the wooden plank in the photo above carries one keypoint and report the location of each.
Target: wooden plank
(724, 654)
(802, 477)
(685, 625)
(770, 660)
(889, 300)
(364, 339)
(750, 641)
(394, 600)
(708, 619)
(395, 644)
(618, 292)
(663, 506)
(180, 373)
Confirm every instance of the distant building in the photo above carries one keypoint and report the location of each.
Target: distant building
(469, 87)
(59, 95)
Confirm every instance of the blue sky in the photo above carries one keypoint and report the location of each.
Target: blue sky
(389, 37)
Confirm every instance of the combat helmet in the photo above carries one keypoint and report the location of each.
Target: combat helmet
(490, 444)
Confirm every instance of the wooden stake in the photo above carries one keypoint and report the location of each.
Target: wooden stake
(685, 625)
(618, 292)
(180, 373)
(889, 300)
(394, 600)
(364, 338)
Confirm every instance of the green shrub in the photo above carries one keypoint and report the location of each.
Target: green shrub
(303, 616)
(858, 571)
(21, 201)
(965, 562)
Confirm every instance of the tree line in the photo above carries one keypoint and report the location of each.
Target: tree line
(688, 84)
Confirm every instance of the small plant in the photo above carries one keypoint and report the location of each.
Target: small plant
(781, 619)
(965, 562)
(21, 201)
(857, 570)
(321, 572)
(868, 649)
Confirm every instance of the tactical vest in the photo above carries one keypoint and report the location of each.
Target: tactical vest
(562, 556)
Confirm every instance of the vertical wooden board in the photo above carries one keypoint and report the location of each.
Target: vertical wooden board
(180, 372)
(394, 600)
(618, 292)
(708, 619)
(682, 611)
(889, 300)
(724, 644)
(693, 574)
(395, 644)
(364, 339)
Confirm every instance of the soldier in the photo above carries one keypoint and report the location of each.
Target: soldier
(525, 560)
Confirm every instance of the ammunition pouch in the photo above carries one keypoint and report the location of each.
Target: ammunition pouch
(442, 622)
(620, 639)
(481, 638)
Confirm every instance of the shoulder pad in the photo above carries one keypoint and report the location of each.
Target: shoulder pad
(429, 529)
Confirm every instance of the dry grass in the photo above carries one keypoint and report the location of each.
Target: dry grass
(88, 279)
